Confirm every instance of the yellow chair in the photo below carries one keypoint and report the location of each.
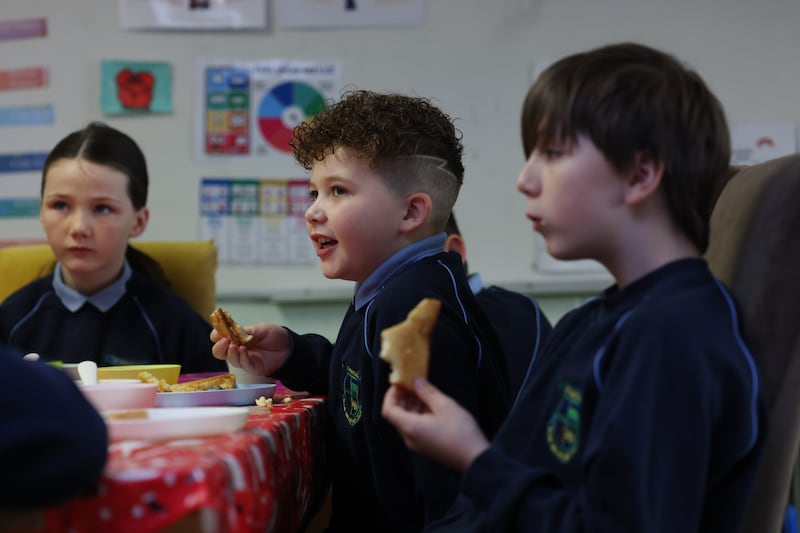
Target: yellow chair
(190, 268)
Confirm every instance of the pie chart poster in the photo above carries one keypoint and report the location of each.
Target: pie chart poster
(248, 109)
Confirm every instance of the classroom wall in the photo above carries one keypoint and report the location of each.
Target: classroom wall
(474, 58)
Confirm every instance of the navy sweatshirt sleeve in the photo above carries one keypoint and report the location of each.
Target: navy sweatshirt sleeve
(53, 443)
(307, 366)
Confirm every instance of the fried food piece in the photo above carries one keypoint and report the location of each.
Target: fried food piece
(406, 346)
(228, 328)
(223, 382)
(147, 377)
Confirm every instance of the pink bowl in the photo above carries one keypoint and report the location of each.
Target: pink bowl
(109, 394)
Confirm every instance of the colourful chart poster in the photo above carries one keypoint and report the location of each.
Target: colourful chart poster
(132, 87)
(256, 221)
(249, 109)
(19, 184)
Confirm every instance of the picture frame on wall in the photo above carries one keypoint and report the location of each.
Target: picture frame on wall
(193, 14)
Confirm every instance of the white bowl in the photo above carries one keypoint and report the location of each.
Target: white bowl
(120, 394)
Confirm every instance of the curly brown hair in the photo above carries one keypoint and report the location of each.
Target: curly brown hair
(409, 141)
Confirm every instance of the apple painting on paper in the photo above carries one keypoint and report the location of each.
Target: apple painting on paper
(135, 89)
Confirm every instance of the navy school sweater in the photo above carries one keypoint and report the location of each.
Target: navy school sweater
(149, 324)
(645, 413)
(378, 484)
(521, 327)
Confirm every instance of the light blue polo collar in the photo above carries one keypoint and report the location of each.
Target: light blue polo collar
(366, 291)
(102, 300)
(475, 282)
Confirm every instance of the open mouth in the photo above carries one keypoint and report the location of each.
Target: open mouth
(325, 242)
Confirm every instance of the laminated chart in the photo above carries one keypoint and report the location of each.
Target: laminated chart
(257, 221)
(248, 109)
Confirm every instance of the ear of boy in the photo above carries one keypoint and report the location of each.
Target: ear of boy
(418, 211)
(455, 243)
(644, 178)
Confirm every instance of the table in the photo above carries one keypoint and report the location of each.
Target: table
(270, 476)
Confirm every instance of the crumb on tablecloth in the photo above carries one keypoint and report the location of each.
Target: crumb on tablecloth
(264, 402)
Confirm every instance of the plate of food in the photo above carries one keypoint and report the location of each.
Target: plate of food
(173, 423)
(217, 390)
(244, 394)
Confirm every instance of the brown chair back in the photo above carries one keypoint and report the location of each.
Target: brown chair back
(755, 250)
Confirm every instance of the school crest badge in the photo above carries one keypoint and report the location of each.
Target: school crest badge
(564, 426)
(351, 402)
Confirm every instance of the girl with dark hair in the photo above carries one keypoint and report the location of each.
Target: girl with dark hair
(104, 300)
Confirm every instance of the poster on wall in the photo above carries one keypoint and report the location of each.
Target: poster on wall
(12, 29)
(348, 13)
(193, 14)
(24, 78)
(27, 115)
(134, 87)
(256, 221)
(756, 143)
(20, 179)
(248, 109)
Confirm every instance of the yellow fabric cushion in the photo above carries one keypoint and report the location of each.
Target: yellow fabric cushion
(190, 267)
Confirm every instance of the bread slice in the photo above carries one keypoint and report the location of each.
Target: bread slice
(406, 346)
(223, 382)
(228, 328)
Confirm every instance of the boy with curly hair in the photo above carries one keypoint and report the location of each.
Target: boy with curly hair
(646, 411)
(385, 172)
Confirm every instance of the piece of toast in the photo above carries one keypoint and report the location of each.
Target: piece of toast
(228, 328)
(223, 381)
(406, 346)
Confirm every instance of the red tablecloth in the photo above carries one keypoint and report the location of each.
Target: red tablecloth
(266, 477)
